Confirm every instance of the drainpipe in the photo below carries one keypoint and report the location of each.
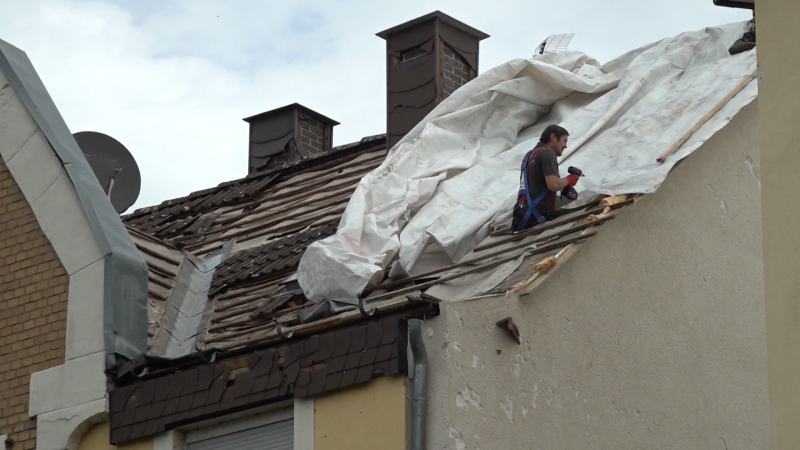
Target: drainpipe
(419, 385)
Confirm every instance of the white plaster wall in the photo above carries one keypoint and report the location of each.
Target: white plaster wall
(651, 336)
(62, 397)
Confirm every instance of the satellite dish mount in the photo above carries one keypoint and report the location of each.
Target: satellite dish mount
(114, 167)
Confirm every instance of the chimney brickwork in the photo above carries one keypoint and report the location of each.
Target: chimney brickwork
(427, 59)
(457, 71)
(287, 135)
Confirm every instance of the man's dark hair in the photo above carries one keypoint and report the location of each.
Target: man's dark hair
(553, 129)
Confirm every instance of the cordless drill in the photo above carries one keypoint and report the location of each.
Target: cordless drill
(569, 192)
(575, 171)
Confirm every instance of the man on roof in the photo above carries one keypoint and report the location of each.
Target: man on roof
(540, 181)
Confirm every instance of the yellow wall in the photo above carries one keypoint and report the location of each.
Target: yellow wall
(778, 48)
(368, 416)
(97, 439)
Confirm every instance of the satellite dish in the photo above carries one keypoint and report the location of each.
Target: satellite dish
(114, 167)
(554, 43)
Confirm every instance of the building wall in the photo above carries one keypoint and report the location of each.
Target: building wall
(33, 309)
(651, 336)
(97, 439)
(778, 134)
(372, 415)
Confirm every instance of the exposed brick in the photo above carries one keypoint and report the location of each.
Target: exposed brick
(33, 286)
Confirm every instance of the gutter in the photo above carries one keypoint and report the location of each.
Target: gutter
(419, 384)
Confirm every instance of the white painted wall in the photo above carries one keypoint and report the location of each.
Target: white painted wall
(651, 336)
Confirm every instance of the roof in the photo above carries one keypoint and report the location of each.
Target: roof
(221, 260)
(455, 23)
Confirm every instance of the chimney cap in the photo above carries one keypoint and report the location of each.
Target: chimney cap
(297, 106)
(455, 23)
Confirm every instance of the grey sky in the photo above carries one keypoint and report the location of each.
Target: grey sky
(172, 80)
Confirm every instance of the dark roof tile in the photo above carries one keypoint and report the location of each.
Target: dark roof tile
(189, 382)
(161, 388)
(368, 356)
(243, 384)
(349, 377)
(325, 350)
(341, 344)
(317, 384)
(333, 381)
(171, 406)
(364, 374)
(152, 427)
(358, 339)
(205, 374)
(374, 332)
(141, 413)
(120, 434)
(185, 403)
(175, 385)
(156, 410)
(137, 430)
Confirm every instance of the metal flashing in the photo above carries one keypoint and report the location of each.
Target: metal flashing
(125, 274)
(453, 22)
(296, 106)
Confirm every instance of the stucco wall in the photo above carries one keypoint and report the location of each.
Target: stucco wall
(372, 415)
(779, 135)
(97, 439)
(651, 336)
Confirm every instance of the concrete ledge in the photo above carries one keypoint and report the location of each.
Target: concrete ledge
(64, 222)
(63, 429)
(16, 126)
(72, 384)
(170, 440)
(85, 312)
(35, 168)
(303, 423)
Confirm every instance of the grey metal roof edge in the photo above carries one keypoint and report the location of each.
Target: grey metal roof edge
(453, 22)
(321, 117)
(125, 275)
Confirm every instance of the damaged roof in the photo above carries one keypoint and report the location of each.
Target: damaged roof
(222, 261)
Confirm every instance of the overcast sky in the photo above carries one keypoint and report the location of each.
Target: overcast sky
(172, 80)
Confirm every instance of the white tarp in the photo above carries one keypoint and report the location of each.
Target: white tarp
(455, 175)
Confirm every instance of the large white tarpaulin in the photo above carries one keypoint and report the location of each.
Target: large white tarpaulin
(455, 176)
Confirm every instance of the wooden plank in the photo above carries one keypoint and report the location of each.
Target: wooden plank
(482, 268)
(552, 224)
(157, 255)
(487, 256)
(711, 112)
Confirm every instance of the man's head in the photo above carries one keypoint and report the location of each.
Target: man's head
(555, 137)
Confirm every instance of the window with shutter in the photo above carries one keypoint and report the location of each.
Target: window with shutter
(274, 436)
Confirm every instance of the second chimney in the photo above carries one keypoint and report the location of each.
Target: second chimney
(427, 59)
(287, 135)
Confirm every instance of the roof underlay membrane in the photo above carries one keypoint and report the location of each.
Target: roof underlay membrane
(452, 180)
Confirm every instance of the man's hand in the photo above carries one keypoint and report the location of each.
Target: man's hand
(572, 179)
(556, 184)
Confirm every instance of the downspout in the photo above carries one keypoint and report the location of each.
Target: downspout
(419, 385)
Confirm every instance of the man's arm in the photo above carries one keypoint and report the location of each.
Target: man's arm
(550, 171)
(555, 184)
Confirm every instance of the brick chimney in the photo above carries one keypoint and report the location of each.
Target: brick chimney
(286, 135)
(427, 59)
